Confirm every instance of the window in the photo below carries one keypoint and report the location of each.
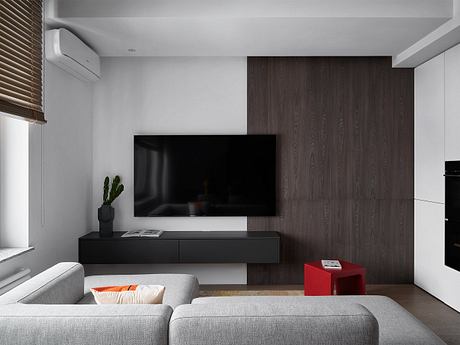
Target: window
(21, 62)
(21, 59)
(14, 183)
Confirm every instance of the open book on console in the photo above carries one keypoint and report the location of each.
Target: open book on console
(143, 233)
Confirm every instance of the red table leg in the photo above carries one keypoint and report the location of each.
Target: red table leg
(317, 283)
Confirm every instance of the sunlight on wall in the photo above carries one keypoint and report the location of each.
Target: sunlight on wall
(14, 182)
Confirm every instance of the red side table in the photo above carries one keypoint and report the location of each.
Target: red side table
(350, 280)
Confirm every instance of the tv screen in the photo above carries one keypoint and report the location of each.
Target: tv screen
(204, 175)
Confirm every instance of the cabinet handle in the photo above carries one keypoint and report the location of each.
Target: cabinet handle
(457, 245)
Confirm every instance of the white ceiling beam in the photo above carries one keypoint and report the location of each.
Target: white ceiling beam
(436, 42)
(254, 8)
(249, 36)
(433, 44)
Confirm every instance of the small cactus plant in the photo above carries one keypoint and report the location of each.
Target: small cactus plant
(115, 191)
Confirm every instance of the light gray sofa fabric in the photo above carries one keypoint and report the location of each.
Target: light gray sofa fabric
(60, 284)
(23, 324)
(272, 324)
(397, 326)
(179, 288)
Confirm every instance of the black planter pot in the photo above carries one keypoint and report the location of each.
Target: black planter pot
(105, 215)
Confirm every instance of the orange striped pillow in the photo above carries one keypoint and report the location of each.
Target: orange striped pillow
(116, 288)
(129, 294)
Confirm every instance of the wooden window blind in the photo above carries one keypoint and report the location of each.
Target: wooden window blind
(21, 59)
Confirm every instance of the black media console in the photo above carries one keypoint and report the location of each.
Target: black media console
(181, 247)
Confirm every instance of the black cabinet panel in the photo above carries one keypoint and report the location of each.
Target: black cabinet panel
(230, 251)
(130, 251)
(182, 247)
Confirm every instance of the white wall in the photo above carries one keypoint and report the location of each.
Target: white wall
(437, 95)
(186, 95)
(60, 174)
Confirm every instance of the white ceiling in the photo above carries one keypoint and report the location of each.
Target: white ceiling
(249, 27)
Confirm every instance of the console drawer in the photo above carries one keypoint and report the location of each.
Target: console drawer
(129, 251)
(261, 250)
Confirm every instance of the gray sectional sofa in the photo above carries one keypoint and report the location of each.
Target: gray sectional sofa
(56, 307)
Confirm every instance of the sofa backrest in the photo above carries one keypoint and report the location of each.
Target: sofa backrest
(61, 284)
(272, 324)
(29, 324)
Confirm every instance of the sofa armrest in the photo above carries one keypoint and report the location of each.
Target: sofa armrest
(60, 284)
(272, 324)
(23, 324)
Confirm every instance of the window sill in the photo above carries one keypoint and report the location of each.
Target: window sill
(9, 253)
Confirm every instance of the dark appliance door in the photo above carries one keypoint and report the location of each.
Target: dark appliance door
(452, 194)
(452, 253)
(452, 215)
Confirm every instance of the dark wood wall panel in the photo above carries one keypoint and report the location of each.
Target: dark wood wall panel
(345, 163)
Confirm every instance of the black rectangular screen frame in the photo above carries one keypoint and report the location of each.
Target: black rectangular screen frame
(193, 175)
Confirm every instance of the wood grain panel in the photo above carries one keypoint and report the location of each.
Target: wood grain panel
(345, 163)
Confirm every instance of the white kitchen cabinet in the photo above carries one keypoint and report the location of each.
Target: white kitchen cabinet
(429, 130)
(429, 245)
(437, 138)
(452, 103)
(430, 272)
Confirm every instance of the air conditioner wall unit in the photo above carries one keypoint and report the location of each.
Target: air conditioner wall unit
(67, 51)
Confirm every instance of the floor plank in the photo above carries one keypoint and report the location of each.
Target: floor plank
(442, 319)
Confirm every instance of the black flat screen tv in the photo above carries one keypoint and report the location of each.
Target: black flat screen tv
(204, 175)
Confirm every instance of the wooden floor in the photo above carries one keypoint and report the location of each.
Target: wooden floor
(443, 320)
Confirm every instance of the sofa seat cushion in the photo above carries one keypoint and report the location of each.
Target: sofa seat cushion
(396, 325)
(272, 324)
(179, 288)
